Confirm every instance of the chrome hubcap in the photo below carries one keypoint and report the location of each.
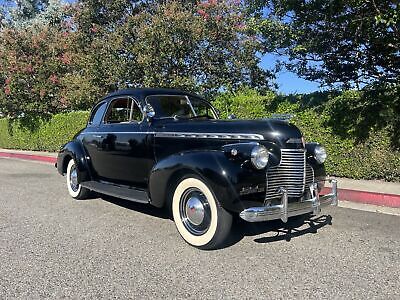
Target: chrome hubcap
(73, 179)
(195, 211)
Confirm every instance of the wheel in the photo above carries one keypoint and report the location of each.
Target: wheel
(198, 216)
(74, 188)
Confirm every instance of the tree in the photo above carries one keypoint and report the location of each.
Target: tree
(204, 47)
(347, 44)
(352, 43)
(32, 65)
(22, 14)
(34, 57)
(47, 67)
(201, 47)
(26, 10)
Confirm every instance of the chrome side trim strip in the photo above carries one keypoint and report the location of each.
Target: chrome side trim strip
(119, 132)
(210, 135)
(197, 135)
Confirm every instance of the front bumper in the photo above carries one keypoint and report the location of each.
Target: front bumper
(285, 210)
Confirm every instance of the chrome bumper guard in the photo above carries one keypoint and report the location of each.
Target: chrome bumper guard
(285, 210)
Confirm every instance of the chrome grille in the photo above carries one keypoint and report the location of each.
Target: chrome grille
(289, 174)
(309, 175)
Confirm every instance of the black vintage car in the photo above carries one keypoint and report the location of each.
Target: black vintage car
(168, 148)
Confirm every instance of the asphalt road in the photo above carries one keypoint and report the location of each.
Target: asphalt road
(54, 247)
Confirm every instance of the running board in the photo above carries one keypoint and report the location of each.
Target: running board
(118, 191)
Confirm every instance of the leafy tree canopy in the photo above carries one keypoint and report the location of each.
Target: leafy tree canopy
(351, 43)
(47, 67)
(202, 47)
(27, 13)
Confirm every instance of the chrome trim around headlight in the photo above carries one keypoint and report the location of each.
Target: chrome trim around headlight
(259, 157)
(320, 154)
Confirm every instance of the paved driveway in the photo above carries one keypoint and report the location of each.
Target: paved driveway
(52, 246)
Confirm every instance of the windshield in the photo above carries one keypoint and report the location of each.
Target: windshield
(180, 106)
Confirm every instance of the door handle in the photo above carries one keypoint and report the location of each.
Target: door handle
(98, 136)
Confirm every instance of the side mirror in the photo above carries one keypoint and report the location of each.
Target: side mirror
(232, 117)
(148, 112)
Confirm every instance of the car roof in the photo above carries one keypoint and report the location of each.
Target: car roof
(141, 93)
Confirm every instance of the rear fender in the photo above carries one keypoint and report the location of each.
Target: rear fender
(74, 150)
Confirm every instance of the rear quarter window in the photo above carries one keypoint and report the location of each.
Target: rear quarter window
(97, 114)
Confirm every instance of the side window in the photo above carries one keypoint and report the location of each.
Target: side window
(119, 111)
(97, 114)
(123, 110)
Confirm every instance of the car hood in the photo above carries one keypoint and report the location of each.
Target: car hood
(272, 130)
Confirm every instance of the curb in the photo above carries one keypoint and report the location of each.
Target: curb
(380, 199)
(47, 159)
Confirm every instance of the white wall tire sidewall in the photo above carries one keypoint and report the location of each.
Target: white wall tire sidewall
(71, 192)
(205, 238)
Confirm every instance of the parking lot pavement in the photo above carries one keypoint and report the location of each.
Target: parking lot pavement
(53, 247)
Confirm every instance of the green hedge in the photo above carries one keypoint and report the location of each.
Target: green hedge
(42, 135)
(372, 159)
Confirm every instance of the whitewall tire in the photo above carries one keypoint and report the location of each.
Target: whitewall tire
(75, 190)
(198, 216)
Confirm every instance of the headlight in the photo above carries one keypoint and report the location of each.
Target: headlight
(259, 157)
(320, 154)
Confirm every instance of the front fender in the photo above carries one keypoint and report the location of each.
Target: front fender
(74, 150)
(224, 176)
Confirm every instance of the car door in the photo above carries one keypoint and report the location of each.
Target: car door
(91, 138)
(124, 152)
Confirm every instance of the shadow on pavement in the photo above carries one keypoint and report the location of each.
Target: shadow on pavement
(275, 230)
(139, 207)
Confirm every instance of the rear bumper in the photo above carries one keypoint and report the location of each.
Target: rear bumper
(284, 210)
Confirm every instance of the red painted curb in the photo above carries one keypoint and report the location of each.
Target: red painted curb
(380, 199)
(47, 159)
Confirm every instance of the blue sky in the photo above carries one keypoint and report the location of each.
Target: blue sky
(288, 82)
